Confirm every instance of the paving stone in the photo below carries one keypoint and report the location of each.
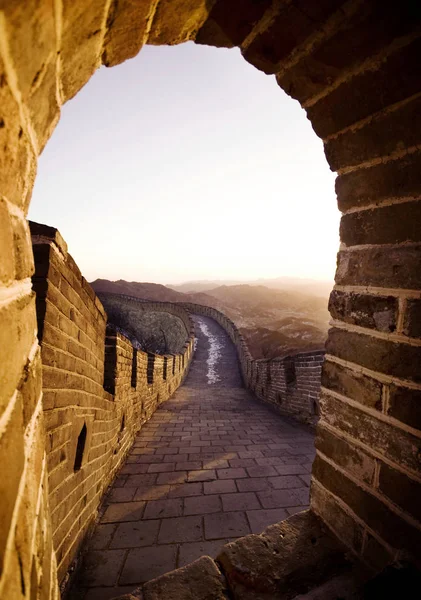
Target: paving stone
(134, 469)
(217, 463)
(123, 511)
(135, 534)
(253, 484)
(141, 480)
(193, 550)
(102, 536)
(260, 519)
(231, 473)
(102, 567)
(239, 501)
(201, 505)
(296, 509)
(172, 478)
(290, 469)
(121, 495)
(187, 466)
(262, 471)
(242, 462)
(221, 525)
(282, 498)
(181, 529)
(220, 486)
(143, 564)
(160, 509)
(161, 468)
(283, 482)
(202, 475)
(156, 492)
(306, 478)
(185, 490)
(200, 580)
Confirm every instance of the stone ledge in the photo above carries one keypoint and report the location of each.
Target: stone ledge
(287, 559)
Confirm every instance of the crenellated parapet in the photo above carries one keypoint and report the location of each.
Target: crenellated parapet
(98, 390)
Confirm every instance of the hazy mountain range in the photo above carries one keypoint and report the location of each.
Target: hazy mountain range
(285, 315)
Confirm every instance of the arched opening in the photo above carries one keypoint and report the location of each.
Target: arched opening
(80, 449)
(356, 73)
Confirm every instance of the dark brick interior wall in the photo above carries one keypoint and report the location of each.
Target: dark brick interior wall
(92, 410)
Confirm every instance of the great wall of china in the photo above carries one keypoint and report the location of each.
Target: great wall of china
(354, 67)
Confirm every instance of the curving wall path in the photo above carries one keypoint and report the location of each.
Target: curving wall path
(211, 465)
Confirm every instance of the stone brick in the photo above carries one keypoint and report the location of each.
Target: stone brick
(380, 267)
(223, 28)
(17, 327)
(287, 559)
(178, 21)
(290, 27)
(7, 265)
(362, 33)
(17, 160)
(385, 438)
(352, 384)
(386, 225)
(201, 580)
(396, 179)
(379, 517)
(380, 137)
(81, 43)
(344, 526)
(360, 93)
(11, 445)
(399, 360)
(374, 312)
(412, 322)
(345, 454)
(405, 405)
(401, 489)
(376, 554)
(127, 23)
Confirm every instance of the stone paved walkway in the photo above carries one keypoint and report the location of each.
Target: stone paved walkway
(211, 465)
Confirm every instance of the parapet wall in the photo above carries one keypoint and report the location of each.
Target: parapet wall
(291, 383)
(97, 390)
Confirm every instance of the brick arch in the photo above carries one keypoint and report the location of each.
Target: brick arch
(353, 67)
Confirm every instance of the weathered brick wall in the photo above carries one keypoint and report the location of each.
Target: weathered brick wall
(291, 384)
(96, 393)
(354, 66)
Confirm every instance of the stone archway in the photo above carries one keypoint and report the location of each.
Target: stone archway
(353, 67)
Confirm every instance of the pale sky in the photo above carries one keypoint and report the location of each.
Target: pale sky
(187, 163)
